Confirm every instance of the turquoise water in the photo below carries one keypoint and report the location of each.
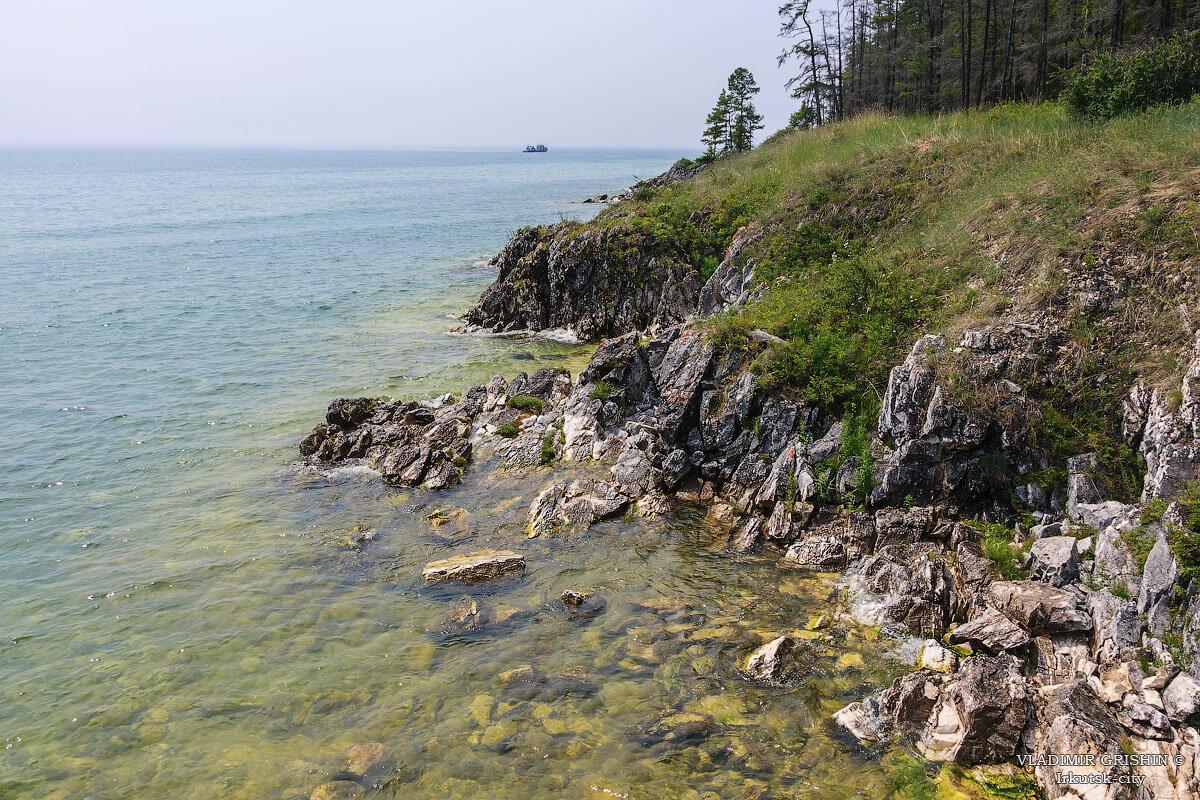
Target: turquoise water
(180, 615)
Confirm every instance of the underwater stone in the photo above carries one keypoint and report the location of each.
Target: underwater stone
(769, 662)
(475, 567)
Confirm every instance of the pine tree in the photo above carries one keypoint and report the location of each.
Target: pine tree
(745, 118)
(716, 138)
(731, 124)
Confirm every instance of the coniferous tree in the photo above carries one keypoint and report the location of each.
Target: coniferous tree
(745, 118)
(716, 136)
(934, 55)
(730, 126)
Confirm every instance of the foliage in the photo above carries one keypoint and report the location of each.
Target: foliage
(1112, 84)
(730, 126)
(1083, 415)
(999, 546)
(857, 425)
(933, 56)
(844, 324)
(508, 430)
(881, 227)
(547, 454)
(1184, 539)
(531, 405)
(603, 390)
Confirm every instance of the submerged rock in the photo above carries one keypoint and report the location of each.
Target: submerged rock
(338, 790)
(369, 763)
(673, 728)
(484, 565)
(770, 662)
(582, 604)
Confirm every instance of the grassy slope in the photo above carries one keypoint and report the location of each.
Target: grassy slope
(883, 225)
(881, 228)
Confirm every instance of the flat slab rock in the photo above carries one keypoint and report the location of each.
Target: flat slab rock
(1039, 608)
(485, 565)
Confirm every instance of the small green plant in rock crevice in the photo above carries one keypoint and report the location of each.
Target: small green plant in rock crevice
(508, 430)
(857, 427)
(1081, 413)
(999, 546)
(1184, 539)
(532, 405)
(548, 453)
(603, 391)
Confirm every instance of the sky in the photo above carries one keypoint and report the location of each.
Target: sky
(369, 73)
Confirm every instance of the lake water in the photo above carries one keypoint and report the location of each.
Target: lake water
(180, 613)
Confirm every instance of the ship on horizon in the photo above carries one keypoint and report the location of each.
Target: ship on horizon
(529, 148)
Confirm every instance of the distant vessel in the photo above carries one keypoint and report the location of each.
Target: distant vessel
(541, 148)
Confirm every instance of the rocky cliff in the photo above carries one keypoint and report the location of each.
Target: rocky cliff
(1058, 605)
(592, 282)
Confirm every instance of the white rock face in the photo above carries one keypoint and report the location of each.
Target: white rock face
(861, 720)
(1168, 437)
(1181, 698)
(1055, 560)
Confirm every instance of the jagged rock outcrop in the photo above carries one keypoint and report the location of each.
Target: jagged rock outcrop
(681, 170)
(992, 631)
(980, 713)
(1090, 652)
(574, 503)
(429, 444)
(938, 448)
(732, 284)
(593, 282)
(1055, 560)
(1039, 608)
(1075, 722)
(1165, 432)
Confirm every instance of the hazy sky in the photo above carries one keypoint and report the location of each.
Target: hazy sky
(375, 73)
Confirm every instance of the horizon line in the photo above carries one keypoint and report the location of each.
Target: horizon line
(478, 148)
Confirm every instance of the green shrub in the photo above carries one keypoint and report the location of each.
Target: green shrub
(1184, 540)
(603, 391)
(998, 545)
(508, 430)
(532, 405)
(844, 323)
(1083, 415)
(1113, 84)
(856, 443)
(548, 453)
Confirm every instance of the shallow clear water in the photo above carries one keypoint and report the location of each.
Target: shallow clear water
(180, 614)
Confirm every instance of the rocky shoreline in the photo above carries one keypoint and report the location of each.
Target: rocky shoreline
(1080, 653)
